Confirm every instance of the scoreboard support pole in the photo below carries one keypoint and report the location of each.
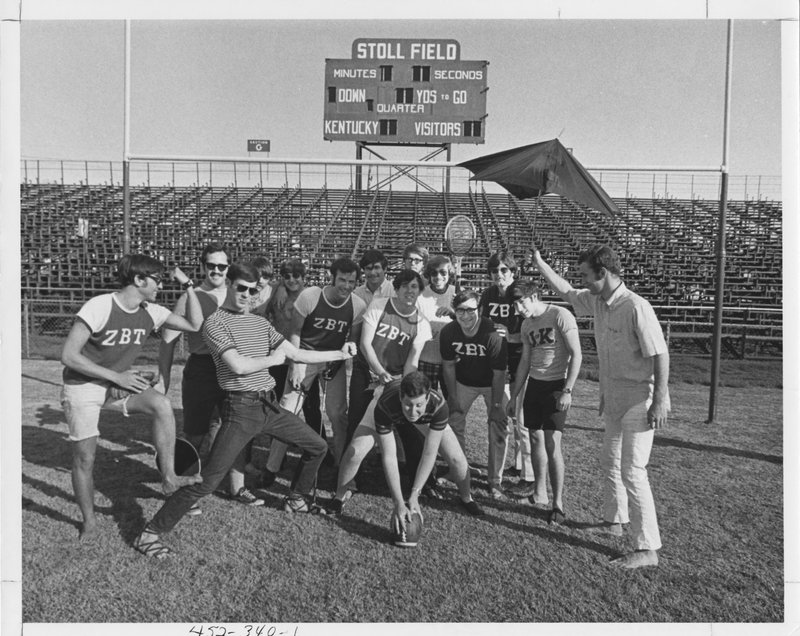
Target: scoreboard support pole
(442, 147)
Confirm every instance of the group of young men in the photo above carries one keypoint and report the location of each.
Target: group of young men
(422, 350)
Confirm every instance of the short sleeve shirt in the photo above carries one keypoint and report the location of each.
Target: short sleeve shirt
(326, 326)
(428, 303)
(389, 412)
(386, 290)
(117, 334)
(395, 333)
(477, 356)
(499, 307)
(251, 336)
(545, 334)
(628, 335)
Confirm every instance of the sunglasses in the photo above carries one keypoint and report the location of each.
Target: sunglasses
(500, 270)
(290, 275)
(220, 267)
(461, 311)
(240, 289)
(414, 259)
(156, 278)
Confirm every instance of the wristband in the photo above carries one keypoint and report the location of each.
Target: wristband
(189, 284)
(567, 391)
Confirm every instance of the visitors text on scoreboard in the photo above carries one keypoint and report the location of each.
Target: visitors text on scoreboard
(405, 91)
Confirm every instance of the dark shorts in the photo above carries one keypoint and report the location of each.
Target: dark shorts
(202, 396)
(539, 405)
(514, 356)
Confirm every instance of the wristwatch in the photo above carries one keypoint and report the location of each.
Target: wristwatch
(188, 284)
(567, 391)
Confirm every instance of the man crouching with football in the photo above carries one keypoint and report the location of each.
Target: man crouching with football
(411, 402)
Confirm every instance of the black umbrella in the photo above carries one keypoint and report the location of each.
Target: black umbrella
(543, 168)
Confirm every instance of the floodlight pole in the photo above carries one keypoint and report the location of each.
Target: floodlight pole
(721, 236)
(126, 169)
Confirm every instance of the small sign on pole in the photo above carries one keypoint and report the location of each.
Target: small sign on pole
(258, 145)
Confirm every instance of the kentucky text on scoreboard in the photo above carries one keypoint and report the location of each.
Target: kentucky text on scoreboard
(405, 91)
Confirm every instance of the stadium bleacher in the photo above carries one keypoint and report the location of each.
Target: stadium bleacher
(666, 245)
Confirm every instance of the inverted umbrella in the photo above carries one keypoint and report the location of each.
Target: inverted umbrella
(542, 168)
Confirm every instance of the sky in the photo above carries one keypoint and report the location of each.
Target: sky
(619, 92)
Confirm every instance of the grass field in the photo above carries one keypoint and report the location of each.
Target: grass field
(718, 491)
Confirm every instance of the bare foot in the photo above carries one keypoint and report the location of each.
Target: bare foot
(637, 559)
(170, 484)
(88, 531)
(605, 527)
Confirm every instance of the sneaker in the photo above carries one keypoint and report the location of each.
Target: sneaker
(522, 489)
(298, 503)
(497, 494)
(472, 508)
(267, 478)
(247, 498)
(432, 492)
(194, 510)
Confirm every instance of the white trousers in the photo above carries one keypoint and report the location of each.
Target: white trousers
(497, 431)
(626, 451)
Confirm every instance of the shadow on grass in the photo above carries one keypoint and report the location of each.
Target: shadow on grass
(32, 506)
(724, 450)
(48, 416)
(118, 477)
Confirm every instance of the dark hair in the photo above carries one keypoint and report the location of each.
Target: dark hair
(416, 248)
(373, 256)
(406, 276)
(243, 271)
(435, 263)
(502, 257)
(601, 256)
(262, 264)
(344, 266)
(211, 248)
(414, 384)
(523, 288)
(132, 265)
(464, 296)
(293, 266)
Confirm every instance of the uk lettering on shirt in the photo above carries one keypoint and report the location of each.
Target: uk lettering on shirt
(543, 336)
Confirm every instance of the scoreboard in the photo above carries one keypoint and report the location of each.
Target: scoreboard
(405, 91)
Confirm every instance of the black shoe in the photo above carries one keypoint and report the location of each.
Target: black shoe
(334, 507)
(472, 508)
(556, 517)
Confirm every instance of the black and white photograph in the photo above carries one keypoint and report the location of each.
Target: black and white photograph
(399, 316)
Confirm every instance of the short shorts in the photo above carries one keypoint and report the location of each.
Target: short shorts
(540, 405)
(82, 404)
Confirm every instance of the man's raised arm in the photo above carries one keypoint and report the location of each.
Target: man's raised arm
(556, 283)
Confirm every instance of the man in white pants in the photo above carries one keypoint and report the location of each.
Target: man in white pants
(634, 398)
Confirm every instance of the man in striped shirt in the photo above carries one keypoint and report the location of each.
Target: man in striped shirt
(244, 346)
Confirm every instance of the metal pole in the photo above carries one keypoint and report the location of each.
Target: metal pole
(723, 208)
(126, 169)
(358, 167)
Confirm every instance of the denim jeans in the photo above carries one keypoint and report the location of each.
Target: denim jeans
(244, 416)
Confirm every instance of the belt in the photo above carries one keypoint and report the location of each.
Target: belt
(266, 397)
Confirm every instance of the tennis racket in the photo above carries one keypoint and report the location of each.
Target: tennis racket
(459, 236)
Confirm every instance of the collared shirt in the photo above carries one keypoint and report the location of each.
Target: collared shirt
(428, 303)
(628, 335)
(386, 290)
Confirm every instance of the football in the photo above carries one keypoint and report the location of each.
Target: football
(410, 536)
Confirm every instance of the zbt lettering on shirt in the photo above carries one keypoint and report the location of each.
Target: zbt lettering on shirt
(329, 324)
(390, 332)
(470, 349)
(499, 310)
(124, 336)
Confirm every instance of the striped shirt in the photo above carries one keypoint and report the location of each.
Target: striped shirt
(389, 411)
(251, 336)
